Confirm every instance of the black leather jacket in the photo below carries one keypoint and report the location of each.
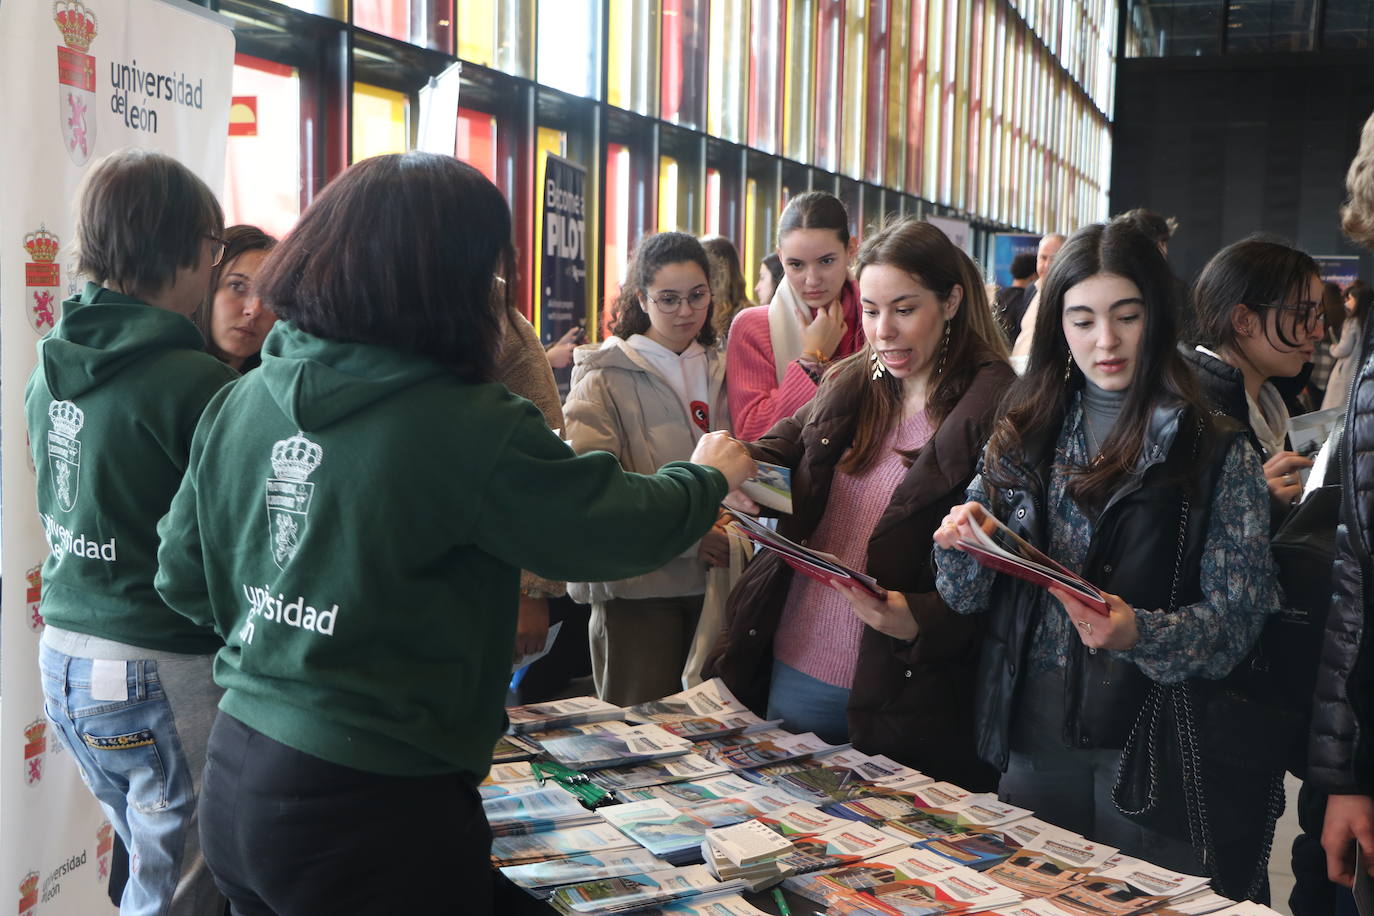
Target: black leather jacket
(1133, 553)
(1338, 759)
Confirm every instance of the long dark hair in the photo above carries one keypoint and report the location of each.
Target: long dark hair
(1364, 297)
(651, 254)
(1040, 399)
(923, 251)
(410, 251)
(1255, 272)
(815, 210)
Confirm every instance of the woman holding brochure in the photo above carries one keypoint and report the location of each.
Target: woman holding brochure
(877, 459)
(1258, 317)
(1106, 460)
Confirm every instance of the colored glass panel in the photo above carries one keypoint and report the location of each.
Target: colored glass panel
(262, 165)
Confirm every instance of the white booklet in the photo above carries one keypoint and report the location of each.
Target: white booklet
(771, 486)
(582, 868)
(634, 745)
(556, 713)
(636, 892)
(747, 843)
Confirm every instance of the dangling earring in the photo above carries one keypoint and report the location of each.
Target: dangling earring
(879, 367)
(1068, 368)
(944, 352)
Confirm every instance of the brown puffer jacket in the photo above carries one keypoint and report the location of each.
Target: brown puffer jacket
(913, 703)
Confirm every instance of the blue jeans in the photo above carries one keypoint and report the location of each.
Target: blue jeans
(141, 757)
(807, 704)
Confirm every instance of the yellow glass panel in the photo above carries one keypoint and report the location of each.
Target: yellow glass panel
(632, 55)
(546, 140)
(855, 87)
(668, 220)
(477, 31)
(898, 81)
(381, 121)
(799, 83)
(752, 254)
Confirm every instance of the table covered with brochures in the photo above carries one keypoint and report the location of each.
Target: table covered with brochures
(694, 806)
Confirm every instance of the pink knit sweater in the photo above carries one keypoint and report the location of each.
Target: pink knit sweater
(757, 401)
(819, 634)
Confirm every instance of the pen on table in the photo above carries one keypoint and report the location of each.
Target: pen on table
(783, 908)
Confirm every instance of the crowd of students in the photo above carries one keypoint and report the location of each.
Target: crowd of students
(306, 499)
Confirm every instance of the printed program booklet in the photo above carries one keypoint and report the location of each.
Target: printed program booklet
(523, 849)
(771, 487)
(536, 810)
(998, 547)
(582, 868)
(636, 892)
(708, 710)
(633, 745)
(557, 713)
(823, 567)
(658, 772)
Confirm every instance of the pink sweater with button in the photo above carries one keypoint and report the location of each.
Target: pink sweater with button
(819, 634)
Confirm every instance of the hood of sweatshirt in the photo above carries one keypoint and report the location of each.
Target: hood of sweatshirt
(101, 333)
(611, 353)
(316, 382)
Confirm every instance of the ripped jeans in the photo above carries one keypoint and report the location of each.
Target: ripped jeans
(141, 756)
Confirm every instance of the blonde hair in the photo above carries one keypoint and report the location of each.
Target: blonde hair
(1357, 216)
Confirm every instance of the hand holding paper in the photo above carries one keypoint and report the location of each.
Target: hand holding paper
(974, 530)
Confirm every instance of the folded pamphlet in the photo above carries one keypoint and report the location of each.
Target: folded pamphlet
(823, 567)
(996, 546)
(557, 713)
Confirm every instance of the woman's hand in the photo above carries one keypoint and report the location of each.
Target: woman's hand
(958, 525)
(714, 549)
(1281, 476)
(889, 615)
(826, 330)
(1349, 820)
(532, 630)
(560, 354)
(1117, 631)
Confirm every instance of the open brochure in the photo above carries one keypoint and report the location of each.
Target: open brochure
(823, 567)
(708, 710)
(998, 547)
(1308, 432)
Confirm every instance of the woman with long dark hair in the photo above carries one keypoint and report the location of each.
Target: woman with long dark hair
(1257, 313)
(885, 449)
(1106, 460)
(1356, 300)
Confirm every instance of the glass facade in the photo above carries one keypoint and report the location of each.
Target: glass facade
(708, 115)
(1195, 28)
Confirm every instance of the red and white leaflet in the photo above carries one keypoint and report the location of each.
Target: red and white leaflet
(802, 820)
(1071, 850)
(998, 547)
(1023, 831)
(985, 810)
(1152, 879)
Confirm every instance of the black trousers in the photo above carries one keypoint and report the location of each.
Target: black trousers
(288, 834)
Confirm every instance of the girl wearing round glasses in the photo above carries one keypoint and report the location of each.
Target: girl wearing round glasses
(1258, 312)
(646, 395)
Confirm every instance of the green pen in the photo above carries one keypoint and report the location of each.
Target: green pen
(781, 901)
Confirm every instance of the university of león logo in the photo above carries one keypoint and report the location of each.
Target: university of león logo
(64, 451)
(76, 78)
(289, 493)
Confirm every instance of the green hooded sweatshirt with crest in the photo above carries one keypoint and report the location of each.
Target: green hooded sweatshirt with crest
(353, 524)
(111, 408)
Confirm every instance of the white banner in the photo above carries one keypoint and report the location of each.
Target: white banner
(78, 79)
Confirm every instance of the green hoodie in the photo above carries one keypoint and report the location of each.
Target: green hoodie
(111, 409)
(353, 523)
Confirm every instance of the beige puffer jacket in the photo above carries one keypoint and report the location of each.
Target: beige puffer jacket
(620, 404)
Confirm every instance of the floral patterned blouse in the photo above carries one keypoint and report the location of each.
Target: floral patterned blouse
(1207, 639)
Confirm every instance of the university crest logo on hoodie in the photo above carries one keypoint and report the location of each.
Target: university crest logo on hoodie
(64, 451)
(288, 494)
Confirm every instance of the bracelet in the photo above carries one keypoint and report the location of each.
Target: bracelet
(816, 356)
(535, 593)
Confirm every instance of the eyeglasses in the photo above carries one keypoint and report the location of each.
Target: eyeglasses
(1306, 315)
(217, 247)
(669, 303)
